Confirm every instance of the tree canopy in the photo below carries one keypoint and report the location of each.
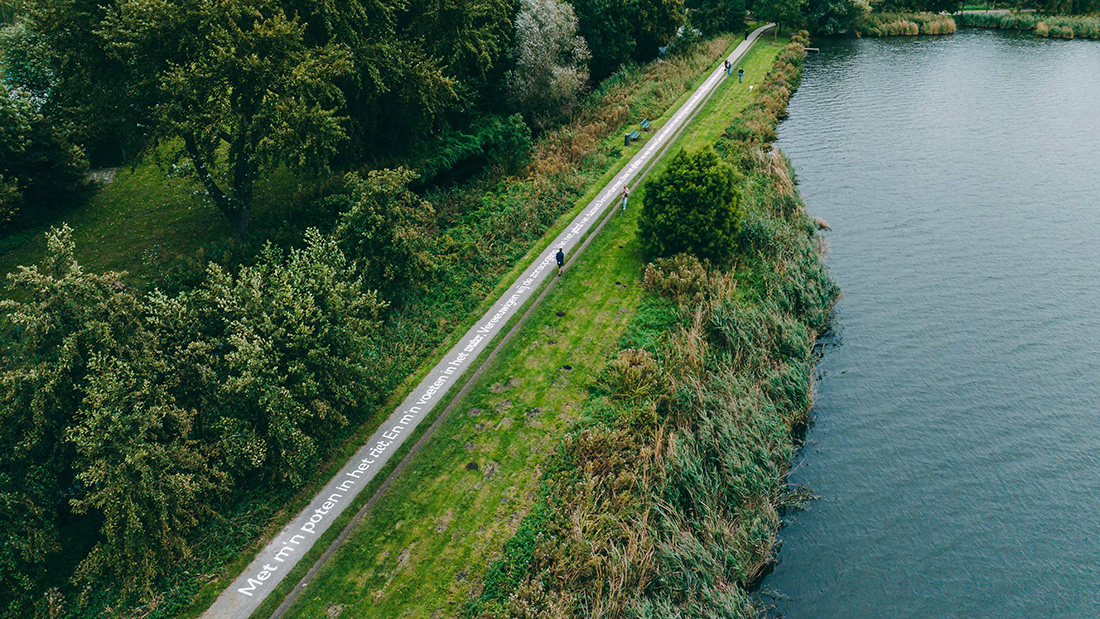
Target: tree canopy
(138, 411)
(691, 207)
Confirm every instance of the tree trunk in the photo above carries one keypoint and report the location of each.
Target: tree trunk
(235, 209)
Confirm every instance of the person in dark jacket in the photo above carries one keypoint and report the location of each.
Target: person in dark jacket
(561, 259)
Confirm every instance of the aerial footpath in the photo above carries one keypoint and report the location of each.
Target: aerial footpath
(286, 549)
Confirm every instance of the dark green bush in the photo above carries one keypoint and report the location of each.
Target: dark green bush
(691, 207)
(43, 173)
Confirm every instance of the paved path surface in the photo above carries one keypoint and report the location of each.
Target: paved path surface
(272, 563)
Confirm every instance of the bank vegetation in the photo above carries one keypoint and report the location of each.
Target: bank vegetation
(665, 500)
(1056, 26)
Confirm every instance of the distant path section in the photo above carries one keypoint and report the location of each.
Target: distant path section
(272, 563)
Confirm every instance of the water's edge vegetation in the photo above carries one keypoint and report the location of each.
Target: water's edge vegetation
(1057, 26)
(664, 499)
(912, 24)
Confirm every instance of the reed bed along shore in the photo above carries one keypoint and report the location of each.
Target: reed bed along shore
(905, 24)
(664, 499)
(1057, 26)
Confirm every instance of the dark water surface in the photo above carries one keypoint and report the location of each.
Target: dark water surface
(956, 447)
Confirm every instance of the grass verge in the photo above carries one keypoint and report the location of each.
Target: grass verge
(426, 547)
(652, 91)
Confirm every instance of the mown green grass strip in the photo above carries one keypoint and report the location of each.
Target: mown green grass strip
(426, 547)
(332, 464)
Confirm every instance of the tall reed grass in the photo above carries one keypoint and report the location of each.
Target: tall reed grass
(665, 501)
(910, 24)
(1057, 26)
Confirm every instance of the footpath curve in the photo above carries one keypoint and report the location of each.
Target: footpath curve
(283, 552)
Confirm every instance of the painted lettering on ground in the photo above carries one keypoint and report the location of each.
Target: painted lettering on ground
(274, 561)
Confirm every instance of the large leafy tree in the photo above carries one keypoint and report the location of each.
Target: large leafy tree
(146, 476)
(691, 207)
(781, 12)
(551, 62)
(67, 318)
(134, 412)
(621, 30)
(238, 83)
(714, 16)
(63, 62)
(834, 16)
(292, 341)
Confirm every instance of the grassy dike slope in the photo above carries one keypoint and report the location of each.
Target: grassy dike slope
(425, 549)
(663, 500)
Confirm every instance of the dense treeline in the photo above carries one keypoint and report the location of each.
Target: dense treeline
(664, 501)
(245, 87)
(137, 412)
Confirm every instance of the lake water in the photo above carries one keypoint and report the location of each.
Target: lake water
(956, 442)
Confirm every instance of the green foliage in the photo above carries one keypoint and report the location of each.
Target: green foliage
(90, 91)
(235, 339)
(893, 24)
(1047, 26)
(551, 62)
(918, 6)
(835, 16)
(691, 207)
(11, 200)
(503, 142)
(40, 172)
(68, 319)
(139, 412)
(24, 64)
(506, 572)
(384, 229)
(783, 12)
(667, 504)
(147, 478)
(714, 16)
(619, 30)
(293, 339)
(281, 109)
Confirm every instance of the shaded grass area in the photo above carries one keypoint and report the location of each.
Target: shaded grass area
(140, 219)
(426, 547)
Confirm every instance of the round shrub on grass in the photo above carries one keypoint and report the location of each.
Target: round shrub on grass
(692, 207)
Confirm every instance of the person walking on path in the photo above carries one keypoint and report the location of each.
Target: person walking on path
(726, 64)
(561, 259)
(740, 75)
(625, 193)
